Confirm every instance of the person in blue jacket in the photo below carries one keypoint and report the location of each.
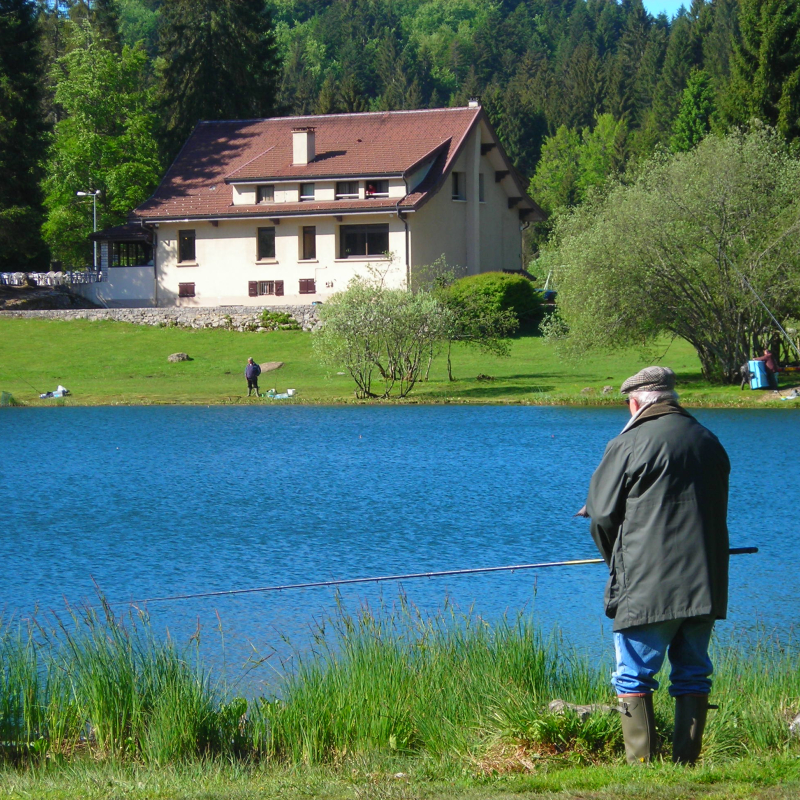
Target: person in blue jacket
(251, 372)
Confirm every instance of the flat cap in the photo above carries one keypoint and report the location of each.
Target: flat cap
(650, 379)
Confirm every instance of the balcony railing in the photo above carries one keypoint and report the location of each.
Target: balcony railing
(62, 278)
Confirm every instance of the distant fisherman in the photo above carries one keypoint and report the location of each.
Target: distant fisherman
(251, 372)
(658, 504)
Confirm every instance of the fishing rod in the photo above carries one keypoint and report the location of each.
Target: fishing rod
(734, 551)
(31, 385)
(764, 305)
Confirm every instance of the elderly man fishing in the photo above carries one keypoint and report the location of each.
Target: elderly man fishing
(658, 507)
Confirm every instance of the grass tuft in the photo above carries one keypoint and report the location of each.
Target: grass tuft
(446, 689)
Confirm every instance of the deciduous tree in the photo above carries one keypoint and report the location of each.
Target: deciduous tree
(684, 249)
(104, 141)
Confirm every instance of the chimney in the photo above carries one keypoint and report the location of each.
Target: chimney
(303, 150)
(474, 102)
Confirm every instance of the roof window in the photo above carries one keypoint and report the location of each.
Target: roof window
(376, 189)
(347, 190)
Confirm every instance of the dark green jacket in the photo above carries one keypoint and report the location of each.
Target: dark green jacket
(659, 504)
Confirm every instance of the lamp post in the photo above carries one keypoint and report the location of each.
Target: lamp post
(93, 195)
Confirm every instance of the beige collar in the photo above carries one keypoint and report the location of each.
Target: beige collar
(655, 410)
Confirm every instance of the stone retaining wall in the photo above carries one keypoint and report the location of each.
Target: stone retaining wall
(240, 318)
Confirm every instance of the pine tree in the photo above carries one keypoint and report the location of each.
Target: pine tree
(582, 84)
(22, 137)
(622, 100)
(682, 55)
(718, 39)
(766, 66)
(298, 91)
(694, 118)
(105, 19)
(650, 70)
(351, 95)
(328, 98)
(217, 60)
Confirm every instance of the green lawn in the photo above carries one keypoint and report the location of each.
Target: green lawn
(356, 778)
(108, 363)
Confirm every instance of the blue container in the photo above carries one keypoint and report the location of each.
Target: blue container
(759, 372)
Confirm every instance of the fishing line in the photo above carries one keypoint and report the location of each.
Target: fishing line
(31, 385)
(734, 551)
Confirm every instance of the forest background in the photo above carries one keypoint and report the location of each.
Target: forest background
(101, 95)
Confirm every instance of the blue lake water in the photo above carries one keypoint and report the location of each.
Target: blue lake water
(164, 500)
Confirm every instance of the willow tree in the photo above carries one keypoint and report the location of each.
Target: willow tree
(687, 249)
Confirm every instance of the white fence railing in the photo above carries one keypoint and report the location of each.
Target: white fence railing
(64, 278)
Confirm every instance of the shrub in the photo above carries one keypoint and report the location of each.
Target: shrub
(278, 321)
(381, 334)
(500, 291)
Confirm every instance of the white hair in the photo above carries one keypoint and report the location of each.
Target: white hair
(650, 398)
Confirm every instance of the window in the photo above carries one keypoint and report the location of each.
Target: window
(131, 254)
(459, 186)
(186, 246)
(309, 242)
(363, 240)
(265, 247)
(308, 286)
(481, 195)
(185, 290)
(265, 194)
(376, 189)
(347, 190)
(306, 191)
(256, 288)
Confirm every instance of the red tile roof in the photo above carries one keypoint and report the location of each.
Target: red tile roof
(198, 184)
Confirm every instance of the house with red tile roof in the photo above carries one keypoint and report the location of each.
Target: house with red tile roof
(285, 211)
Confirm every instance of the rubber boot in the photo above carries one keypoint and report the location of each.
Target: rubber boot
(690, 722)
(638, 727)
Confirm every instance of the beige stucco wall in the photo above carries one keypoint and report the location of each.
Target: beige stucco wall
(442, 225)
(226, 260)
(439, 227)
(126, 287)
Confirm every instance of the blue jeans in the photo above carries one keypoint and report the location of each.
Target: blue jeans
(641, 651)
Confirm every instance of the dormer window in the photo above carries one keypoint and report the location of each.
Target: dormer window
(306, 192)
(265, 194)
(376, 189)
(347, 190)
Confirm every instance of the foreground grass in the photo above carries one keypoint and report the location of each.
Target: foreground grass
(775, 778)
(386, 705)
(111, 363)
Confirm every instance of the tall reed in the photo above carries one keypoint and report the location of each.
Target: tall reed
(446, 686)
